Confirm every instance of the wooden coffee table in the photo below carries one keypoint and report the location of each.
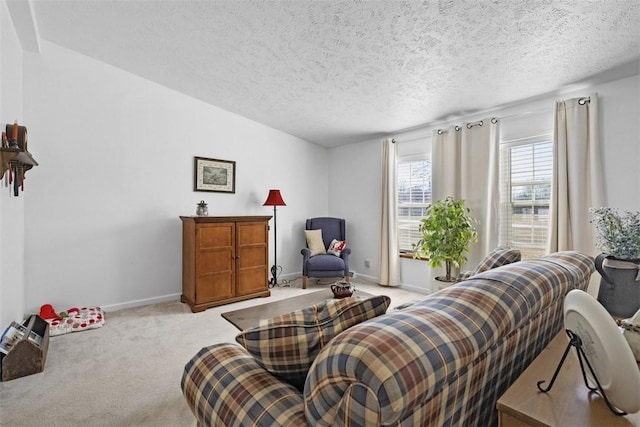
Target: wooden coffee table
(251, 316)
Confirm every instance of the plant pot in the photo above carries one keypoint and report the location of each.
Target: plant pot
(442, 281)
(619, 289)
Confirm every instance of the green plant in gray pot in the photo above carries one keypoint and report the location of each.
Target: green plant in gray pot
(618, 237)
(447, 230)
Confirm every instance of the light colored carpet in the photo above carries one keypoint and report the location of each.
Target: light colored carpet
(128, 372)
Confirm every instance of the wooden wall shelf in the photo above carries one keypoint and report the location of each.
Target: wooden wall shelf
(17, 161)
(10, 155)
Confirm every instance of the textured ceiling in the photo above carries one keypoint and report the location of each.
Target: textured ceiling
(334, 72)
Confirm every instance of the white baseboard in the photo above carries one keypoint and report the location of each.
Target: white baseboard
(360, 276)
(291, 277)
(141, 302)
(415, 289)
(412, 288)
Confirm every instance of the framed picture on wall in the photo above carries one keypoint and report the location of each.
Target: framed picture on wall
(214, 175)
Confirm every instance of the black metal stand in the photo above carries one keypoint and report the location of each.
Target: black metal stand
(274, 268)
(575, 341)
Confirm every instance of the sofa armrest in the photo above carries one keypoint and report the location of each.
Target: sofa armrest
(224, 385)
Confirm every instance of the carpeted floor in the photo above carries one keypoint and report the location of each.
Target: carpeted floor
(128, 372)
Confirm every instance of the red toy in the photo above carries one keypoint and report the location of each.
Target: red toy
(47, 312)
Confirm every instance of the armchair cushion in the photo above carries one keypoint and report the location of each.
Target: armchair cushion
(287, 345)
(325, 262)
(315, 242)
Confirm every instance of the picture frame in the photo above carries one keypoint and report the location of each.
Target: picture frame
(214, 175)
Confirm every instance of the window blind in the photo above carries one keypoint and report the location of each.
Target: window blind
(525, 175)
(414, 196)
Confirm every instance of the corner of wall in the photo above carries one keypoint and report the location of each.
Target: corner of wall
(12, 283)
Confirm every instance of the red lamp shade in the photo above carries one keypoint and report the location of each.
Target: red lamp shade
(274, 199)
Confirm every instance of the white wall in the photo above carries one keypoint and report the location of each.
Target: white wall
(620, 129)
(12, 229)
(354, 180)
(116, 171)
(356, 167)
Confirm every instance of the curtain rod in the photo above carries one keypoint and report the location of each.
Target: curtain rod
(582, 101)
(470, 125)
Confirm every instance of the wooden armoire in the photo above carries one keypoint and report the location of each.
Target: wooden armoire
(224, 259)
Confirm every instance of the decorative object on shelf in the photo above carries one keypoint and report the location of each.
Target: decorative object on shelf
(447, 231)
(631, 333)
(599, 344)
(214, 175)
(619, 264)
(16, 136)
(274, 198)
(342, 289)
(13, 131)
(15, 160)
(202, 209)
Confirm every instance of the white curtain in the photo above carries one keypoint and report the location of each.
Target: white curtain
(577, 182)
(465, 166)
(389, 249)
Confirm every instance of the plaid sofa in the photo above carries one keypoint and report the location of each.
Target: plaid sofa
(443, 361)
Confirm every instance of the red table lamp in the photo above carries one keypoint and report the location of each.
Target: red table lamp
(274, 199)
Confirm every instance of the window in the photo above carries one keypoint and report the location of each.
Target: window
(414, 196)
(525, 193)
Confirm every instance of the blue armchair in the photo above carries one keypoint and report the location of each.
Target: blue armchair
(324, 264)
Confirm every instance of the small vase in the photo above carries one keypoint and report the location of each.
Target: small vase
(202, 209)
(342, 290)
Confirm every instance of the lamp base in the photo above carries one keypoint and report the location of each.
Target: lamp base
(273, 281)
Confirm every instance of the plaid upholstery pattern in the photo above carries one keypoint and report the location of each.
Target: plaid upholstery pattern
(446, 359)
(497, 258)
(286, 345)
(224, 386)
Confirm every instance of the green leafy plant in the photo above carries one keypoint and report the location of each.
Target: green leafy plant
(618, 232)
(447, 231)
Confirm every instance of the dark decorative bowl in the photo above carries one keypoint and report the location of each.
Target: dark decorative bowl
(342, 290)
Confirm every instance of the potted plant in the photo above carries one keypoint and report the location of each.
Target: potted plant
(447, 230)
(618, 237)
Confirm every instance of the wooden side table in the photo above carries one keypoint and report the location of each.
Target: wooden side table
(568, 403)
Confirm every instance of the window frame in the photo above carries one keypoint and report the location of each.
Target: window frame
(507, 202)
(408, 252)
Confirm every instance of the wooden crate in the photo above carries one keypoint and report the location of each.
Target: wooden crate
(25, 357)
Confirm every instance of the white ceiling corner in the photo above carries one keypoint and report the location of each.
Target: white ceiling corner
(23, 17)
(336, 71)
